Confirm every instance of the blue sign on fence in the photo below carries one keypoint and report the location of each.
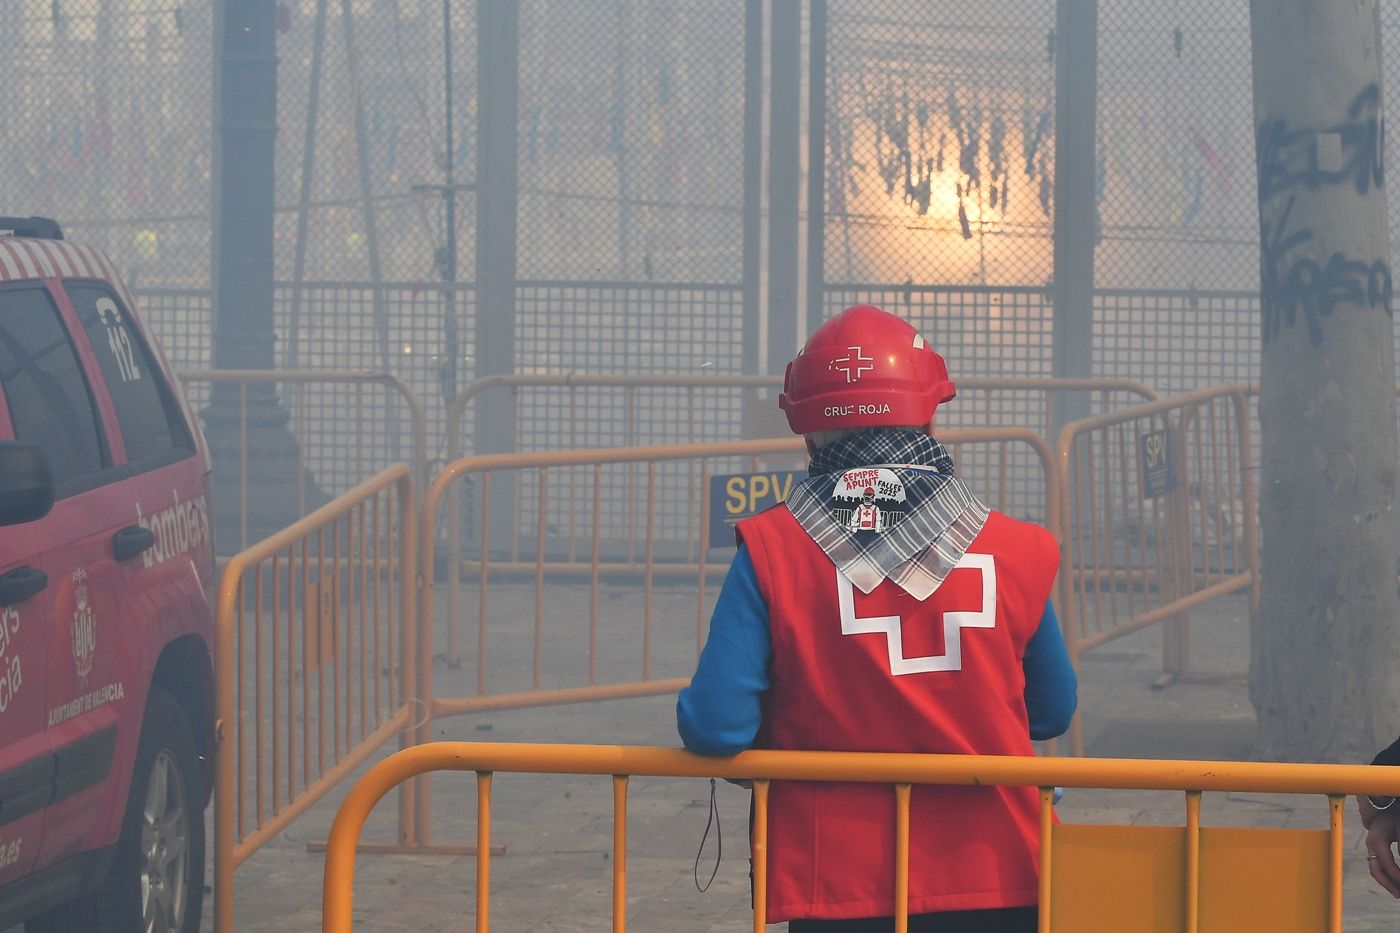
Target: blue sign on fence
(736, 496)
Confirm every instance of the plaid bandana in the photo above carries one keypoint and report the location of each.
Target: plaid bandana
(941, 515)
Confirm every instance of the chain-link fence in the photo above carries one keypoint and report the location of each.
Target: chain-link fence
(630, 141)
(106, 115)
(630, 192)
(1177, 257)
(939, 181)
(362, 140)
(1176, 193)
(959, 132)
(1177, 265)
(940, 128)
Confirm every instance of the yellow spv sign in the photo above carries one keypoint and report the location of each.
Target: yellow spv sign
(1158, 467)
(737, 496)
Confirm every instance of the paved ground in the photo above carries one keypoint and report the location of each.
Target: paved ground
(556, 874)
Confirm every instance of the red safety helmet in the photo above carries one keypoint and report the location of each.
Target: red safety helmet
(864, 368)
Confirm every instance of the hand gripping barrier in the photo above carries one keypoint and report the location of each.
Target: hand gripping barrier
(1129, 879)
(315, 665)
(1159, 517)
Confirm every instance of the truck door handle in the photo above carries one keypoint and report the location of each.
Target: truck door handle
(20, 584)
(131, 541)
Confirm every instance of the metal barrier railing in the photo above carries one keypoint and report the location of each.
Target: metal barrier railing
(570, 516)
(316, 665)
(1182, 550)
(613, 658)
(983, 403)
(576, 431)
(1091, 876)
(355, 445)
(1159, 516)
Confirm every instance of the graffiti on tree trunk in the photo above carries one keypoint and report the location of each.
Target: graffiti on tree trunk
(1294, 284)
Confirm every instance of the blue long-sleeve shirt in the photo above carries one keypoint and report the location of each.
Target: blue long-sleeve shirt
(719, 713)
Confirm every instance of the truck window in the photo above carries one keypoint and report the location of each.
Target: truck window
(150, 418)
(48, 396)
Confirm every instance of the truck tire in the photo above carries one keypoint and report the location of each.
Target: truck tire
(156, 882)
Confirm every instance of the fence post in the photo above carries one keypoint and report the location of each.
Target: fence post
(1176, 648)
(816, 162)
(1076, 79)
(245, 113)
(363, 175)
(784, 154)
(497, 202)
(308, 167)
(753, 191)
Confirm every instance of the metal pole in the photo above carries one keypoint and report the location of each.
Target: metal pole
(1076, 88)
(753, 178)
(100, 173)
(816, 164)
(497, 184)
(451, 351)
(496, 204)
(245, 108)
(308, 165)
(752, 215)
(446, 259)
(246, 128)
(619, 141)
(497, 200)
(381, 318)
(753, 193)
(784, 150)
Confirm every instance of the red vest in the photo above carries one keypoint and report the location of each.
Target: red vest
(886, 673)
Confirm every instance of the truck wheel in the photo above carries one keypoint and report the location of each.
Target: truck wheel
(156, 882)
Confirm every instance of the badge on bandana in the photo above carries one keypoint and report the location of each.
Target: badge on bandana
(869, 499)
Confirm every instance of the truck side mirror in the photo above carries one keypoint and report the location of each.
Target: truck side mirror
(26, 483)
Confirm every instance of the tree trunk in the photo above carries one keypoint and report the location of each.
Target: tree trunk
(1324, 648)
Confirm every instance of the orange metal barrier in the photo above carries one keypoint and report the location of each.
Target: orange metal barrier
(983, 403)
(575, 654)
(316, 665)
(673, 407)
(1129, 879)
(662, 538)
(1159, 516)
(338, 456)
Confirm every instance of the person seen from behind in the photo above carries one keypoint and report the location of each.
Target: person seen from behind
(929, 630)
